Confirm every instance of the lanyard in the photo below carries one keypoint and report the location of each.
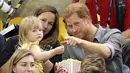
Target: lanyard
(109, 10)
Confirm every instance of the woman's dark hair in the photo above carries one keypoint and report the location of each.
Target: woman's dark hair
(52, 36)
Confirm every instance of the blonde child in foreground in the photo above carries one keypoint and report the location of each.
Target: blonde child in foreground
(31, 32)
(93, 63)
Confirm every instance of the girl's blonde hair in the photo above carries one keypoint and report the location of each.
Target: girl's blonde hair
(28, 23)
(17, 56)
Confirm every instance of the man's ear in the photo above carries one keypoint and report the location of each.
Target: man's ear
(88, 18)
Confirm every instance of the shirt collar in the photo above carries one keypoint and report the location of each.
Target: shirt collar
(98, 35)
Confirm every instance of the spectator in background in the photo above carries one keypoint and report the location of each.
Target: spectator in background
(22, 61)
(93, 63)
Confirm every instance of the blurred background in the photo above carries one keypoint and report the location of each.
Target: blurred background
(29, 6)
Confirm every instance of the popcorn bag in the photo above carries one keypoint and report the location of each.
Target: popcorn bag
(69, 66)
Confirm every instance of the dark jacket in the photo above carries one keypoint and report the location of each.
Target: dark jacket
(2, 41)
(8, 50)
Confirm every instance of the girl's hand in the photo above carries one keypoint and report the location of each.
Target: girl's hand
(59, 50)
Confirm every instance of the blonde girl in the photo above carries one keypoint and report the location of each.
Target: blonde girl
(31, 32)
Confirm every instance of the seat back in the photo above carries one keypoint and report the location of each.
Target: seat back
(16, 20)
(62, 30)
(1, 25)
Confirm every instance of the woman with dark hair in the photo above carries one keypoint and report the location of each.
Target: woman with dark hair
(50, 20)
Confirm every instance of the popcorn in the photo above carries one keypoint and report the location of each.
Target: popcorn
(69, 66)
